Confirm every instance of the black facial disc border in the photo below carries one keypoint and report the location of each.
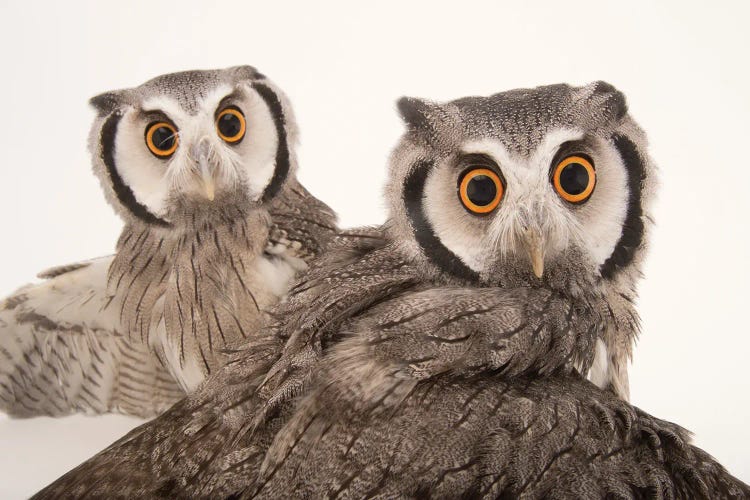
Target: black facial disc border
(633, 227)
(122, 190)
(281, 170)
(436, 252)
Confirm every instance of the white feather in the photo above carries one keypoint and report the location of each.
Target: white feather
(598, 373)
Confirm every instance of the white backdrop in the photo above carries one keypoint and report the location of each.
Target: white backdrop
(683, 66)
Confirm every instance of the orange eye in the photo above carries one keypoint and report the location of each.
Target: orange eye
(230, 125)
(480, 190)
(574, 179)
(161, 139)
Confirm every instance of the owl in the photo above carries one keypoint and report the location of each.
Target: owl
(200, 165)
(445, 353)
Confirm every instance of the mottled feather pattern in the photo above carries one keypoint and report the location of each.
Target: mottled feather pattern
(523, 131)
(53, 364)
(302, 224)
(376, 398)
(66, 372)
(163, 301)
(424, 334)
(53, 272)
(464, 330)
(386, 374)
(214, 234)
(357, 272)
(490, 437)
(182, 293)
(199, 292)
(226, 419)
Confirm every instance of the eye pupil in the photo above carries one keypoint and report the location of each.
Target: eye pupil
(481, 190)
(163, 138)
(574, 178)
(229, 125)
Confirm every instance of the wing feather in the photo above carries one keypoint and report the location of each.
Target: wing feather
(61, 351)
(410, 401)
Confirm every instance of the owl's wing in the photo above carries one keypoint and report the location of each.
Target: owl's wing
(213, 431)
(471, 392)
(371, 425)
(424, 334)
(204, 445)
(61, 351)
(198, 448)
(462, 330)
(302, 225)
(491, 437)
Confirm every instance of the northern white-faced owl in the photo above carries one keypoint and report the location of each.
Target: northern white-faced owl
(556, 181)
(444, 355)
(201, 167)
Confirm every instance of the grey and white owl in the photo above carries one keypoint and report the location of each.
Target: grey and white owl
(201, 167)
(444, 355)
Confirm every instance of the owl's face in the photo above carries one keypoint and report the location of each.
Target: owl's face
(525, 185)
(188, 142)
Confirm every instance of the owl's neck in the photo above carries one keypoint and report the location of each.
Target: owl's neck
(190, 291)
(146, 249)
(188, 216)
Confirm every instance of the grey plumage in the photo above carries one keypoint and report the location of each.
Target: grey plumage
(403, 366)
(194, 271)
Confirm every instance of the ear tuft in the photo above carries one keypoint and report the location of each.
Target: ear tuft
(415, 112)
(247, 72)
(613, 102)
(105, 103)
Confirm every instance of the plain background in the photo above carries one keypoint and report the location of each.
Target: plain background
(683, 66)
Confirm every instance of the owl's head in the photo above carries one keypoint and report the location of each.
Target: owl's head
(192, 143)
(548, 184)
